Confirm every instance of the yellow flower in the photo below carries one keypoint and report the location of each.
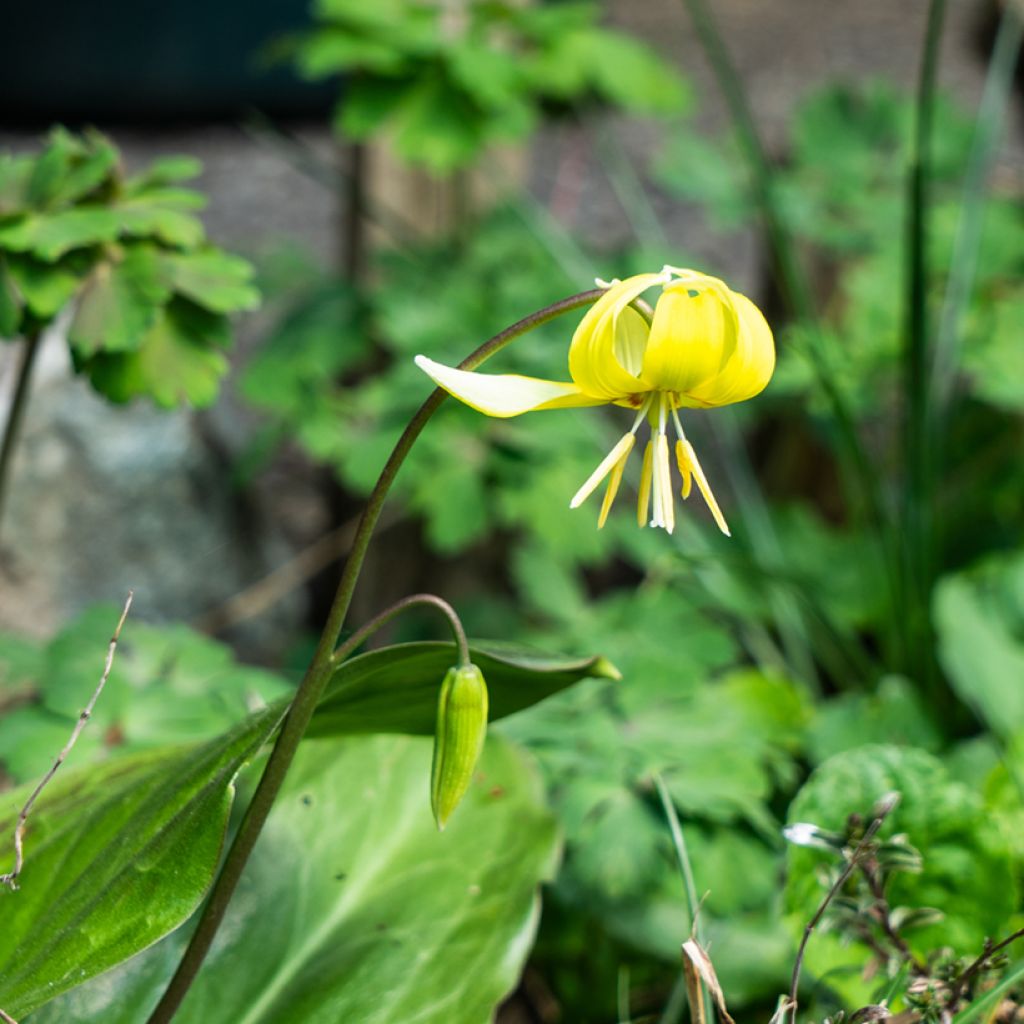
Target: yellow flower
(705, 346)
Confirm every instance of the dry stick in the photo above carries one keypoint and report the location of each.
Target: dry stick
(11, 878)
(851, 866)
(990, 951)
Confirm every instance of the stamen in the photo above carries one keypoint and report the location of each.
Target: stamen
(705, 487)
(644, 495)
(685, 469)
(617, 455)
(663, 485)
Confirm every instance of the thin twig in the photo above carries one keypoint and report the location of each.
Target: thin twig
(882, 917)
(11, 878)
(990, 951)
(7, 1018)
(843, 878)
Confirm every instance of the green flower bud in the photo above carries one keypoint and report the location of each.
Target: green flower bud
(461, 727)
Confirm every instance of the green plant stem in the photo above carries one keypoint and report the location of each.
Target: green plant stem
(918, 473)
(683, 856)
(324, 659)
(16, 413)
(381, 620)
(862, 481)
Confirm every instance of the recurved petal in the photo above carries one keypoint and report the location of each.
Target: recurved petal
(607, 348)
(750, 366)
(692, 336)
(505, 394)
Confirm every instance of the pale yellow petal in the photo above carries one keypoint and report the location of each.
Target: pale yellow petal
(692, 336)
(750, 366)
(506, 394)
(615, 458)
(607, 347)
(643, 501)
(705, 488)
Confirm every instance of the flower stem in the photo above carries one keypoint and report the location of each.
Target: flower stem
(917, 520)
(324, 659)
(16, 414)
(381, 620)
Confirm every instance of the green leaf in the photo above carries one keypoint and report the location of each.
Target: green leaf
(172, 365)
(354, 907)
(163, 171)
(10, 301)
(47, 287)
(367, 104)
(50, 236)
(216, 280)
(395, 689)
(148, 215)
(630, 74)
(438, 126)
(118, 303)
(15, 172)
(115, 857)
(979, 617)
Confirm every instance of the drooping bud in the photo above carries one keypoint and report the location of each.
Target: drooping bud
(459, 739)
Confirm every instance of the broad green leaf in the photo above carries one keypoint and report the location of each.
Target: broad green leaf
(395, 689)
(115, 857)
(173, 366)
(50, 236)
(979, 616)
(118, 303)
(354, 908)
(216, 280)
(168, 684)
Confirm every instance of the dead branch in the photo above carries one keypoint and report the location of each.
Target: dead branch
(11, 878)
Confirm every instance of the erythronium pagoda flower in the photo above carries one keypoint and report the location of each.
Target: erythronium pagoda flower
(705, 346)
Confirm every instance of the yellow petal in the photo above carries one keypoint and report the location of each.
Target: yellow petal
(750, 366)
(705, 487)
(607, 348)
(505, 394)
(615, 458)
(692, 336)
(643, 501)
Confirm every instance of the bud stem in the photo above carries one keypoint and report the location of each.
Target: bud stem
(324, 660)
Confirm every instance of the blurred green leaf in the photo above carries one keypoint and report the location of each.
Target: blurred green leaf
(390, 920)
(50, 236)
(967, 873)
(216, 280)
(115, 857)
(172, 364)
(118, 303)
(979, 617)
